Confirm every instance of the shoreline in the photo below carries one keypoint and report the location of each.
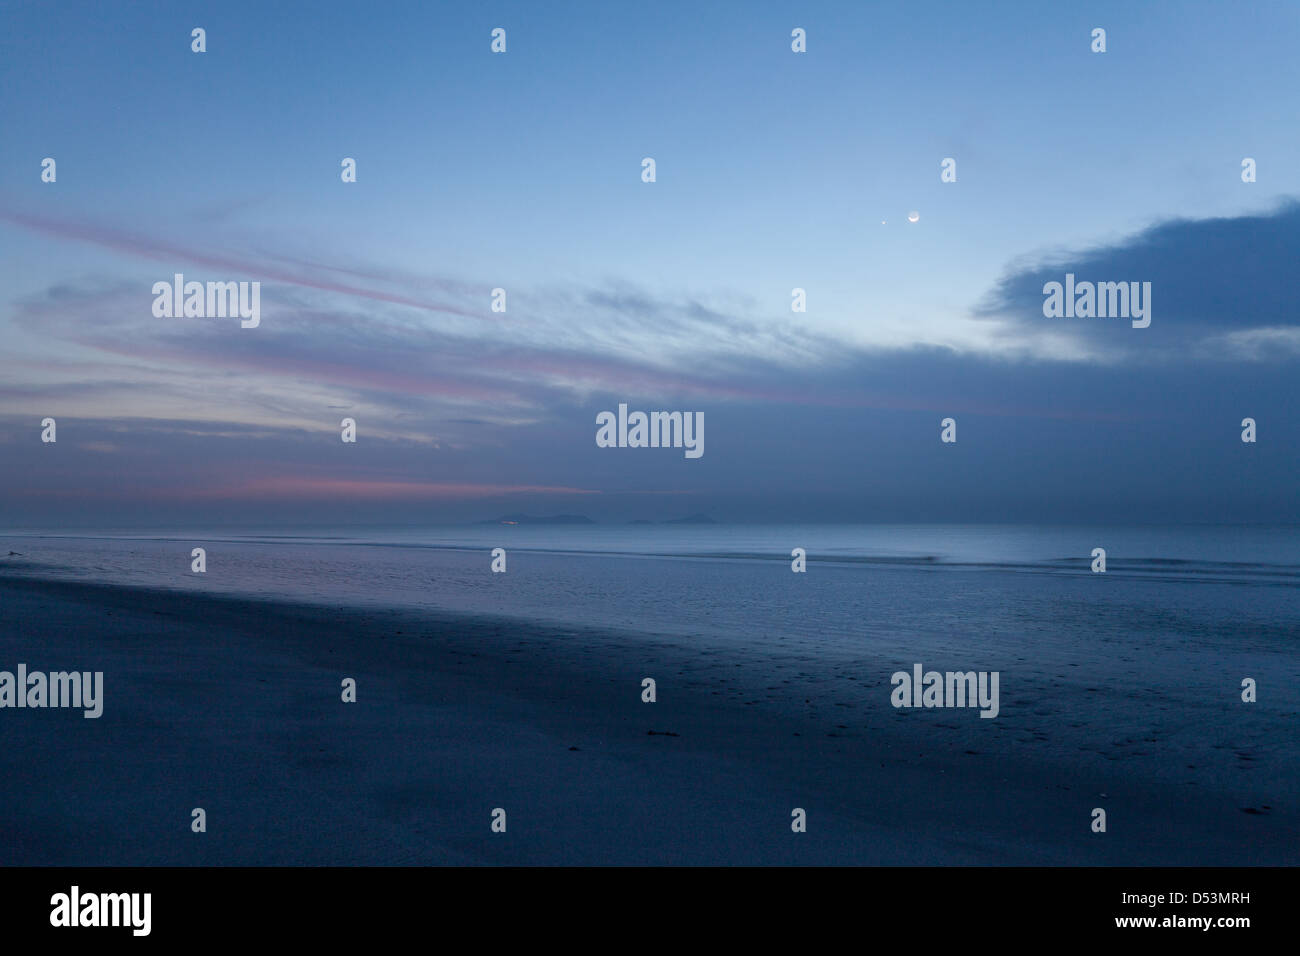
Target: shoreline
(233, 704)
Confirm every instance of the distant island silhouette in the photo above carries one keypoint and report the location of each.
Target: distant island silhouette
(689, 519)
(583, 519)
(535, 519)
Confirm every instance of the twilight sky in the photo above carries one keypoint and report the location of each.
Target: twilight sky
(775, 170)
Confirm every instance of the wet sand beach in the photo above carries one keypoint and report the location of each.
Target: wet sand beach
(234, 705)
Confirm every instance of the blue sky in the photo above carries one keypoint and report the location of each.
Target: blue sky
(775, 170)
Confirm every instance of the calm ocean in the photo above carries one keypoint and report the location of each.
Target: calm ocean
(729, 580)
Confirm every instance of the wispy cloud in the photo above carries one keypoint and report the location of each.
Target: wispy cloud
(175, 254)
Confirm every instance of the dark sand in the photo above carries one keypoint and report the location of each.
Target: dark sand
(234, 706)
